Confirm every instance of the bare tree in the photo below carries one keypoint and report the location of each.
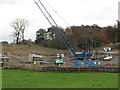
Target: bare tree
(19, 26)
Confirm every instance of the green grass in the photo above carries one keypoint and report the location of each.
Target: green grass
(34, 79)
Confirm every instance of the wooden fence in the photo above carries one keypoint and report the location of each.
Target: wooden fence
(69, 69)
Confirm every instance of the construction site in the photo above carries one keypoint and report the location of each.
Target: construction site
(101, 60)
(47, 54)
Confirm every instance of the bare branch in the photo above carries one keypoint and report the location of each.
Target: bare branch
(19, 25)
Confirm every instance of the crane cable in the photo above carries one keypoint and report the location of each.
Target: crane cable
(66, 41)
(62, 19)
(58, 14)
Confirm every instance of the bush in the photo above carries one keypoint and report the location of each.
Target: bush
(117, 46)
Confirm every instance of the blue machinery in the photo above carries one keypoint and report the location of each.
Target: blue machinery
(87, 64)
(60, 33)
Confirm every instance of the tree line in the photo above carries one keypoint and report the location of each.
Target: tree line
(81, 37)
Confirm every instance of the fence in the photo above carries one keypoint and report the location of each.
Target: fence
(67, 66)
(69, 69)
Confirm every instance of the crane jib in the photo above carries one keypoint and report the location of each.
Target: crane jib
(60, 33)
(52, 22)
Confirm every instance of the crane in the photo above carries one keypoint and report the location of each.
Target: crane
(60, 33)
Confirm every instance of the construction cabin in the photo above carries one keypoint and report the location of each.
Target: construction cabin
(33, 58)
(4, 62)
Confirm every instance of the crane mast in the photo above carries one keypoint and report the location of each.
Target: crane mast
(60, 33)
(52, 22)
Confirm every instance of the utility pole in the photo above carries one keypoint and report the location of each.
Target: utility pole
(118, 25)
(118, 30)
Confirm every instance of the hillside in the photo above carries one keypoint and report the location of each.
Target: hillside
(19, 50)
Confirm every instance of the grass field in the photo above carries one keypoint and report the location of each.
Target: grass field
(34, 79)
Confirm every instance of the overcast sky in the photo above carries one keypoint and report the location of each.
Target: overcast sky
(75, 12)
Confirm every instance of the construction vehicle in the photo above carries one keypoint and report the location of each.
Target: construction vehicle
(58, 61)
(107, 58)
(60, 33)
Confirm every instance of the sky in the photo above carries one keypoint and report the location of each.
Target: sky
(74, 12)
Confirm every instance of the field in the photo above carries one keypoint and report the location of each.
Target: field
(20, 50)
(34, 79)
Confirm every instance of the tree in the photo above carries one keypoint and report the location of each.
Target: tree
(24, 25)
(19, 25)
(111, 33)
(48, 38)
(40, 36)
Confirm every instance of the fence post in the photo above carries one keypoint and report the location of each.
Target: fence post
(66, 69)
(78, 69)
